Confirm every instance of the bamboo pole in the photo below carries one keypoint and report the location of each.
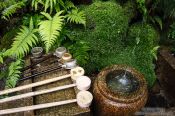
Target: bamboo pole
(34, 84)
(30, 94)
(35, 107)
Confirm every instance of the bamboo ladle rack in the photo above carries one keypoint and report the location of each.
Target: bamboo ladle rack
(75, 72)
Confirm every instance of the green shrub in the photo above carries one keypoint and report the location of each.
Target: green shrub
(106, 30)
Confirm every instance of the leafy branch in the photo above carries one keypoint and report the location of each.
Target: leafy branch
(13, 73)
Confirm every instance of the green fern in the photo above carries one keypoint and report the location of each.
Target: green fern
(23, 41)
(13, 73)
(7, 12)
(6, 3)
(68, 5)
(53, 5)
(154, 52)
(2, 56)
(35, 3)
(75, 16)
(50, 29)
(47, 4)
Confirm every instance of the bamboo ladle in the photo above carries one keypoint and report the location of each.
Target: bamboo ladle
(75, 72)
(82, 83)
(83, 99)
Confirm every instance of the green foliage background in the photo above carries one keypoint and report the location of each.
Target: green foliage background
(112, 41)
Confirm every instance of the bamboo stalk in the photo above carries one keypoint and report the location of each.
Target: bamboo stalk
(34, 84)
(30, 94)
(35, 107)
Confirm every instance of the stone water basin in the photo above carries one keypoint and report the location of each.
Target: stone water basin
(119, 91)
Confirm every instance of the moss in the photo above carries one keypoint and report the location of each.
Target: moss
(106, 27)
(148, 40)
(147, 35)
(106, 30)
(130, 9)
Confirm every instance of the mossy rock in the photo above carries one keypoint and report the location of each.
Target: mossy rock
(111, 42)
(147, 35)
(149, 38)
(106, 26)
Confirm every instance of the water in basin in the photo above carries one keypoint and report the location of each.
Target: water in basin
(121, 81)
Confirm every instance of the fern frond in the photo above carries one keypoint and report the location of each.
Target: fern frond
(53, 5)
(61, 3)
(23, 41)
(6, 13)
(76, 16)
(6, 3)
(68, 5)
(1, 57)
(50, 29)
(35, 3)
(13, 73)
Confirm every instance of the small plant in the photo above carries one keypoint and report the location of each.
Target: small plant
(1, 56)
(154, 52)
(52, 5)
(80, 51)
(76, 16)
(13, 73)
(7, 12)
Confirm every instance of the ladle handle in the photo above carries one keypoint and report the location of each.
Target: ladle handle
(35, 63)
(30, 94)
(34, 84)
(35, 107)
(40, 73)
